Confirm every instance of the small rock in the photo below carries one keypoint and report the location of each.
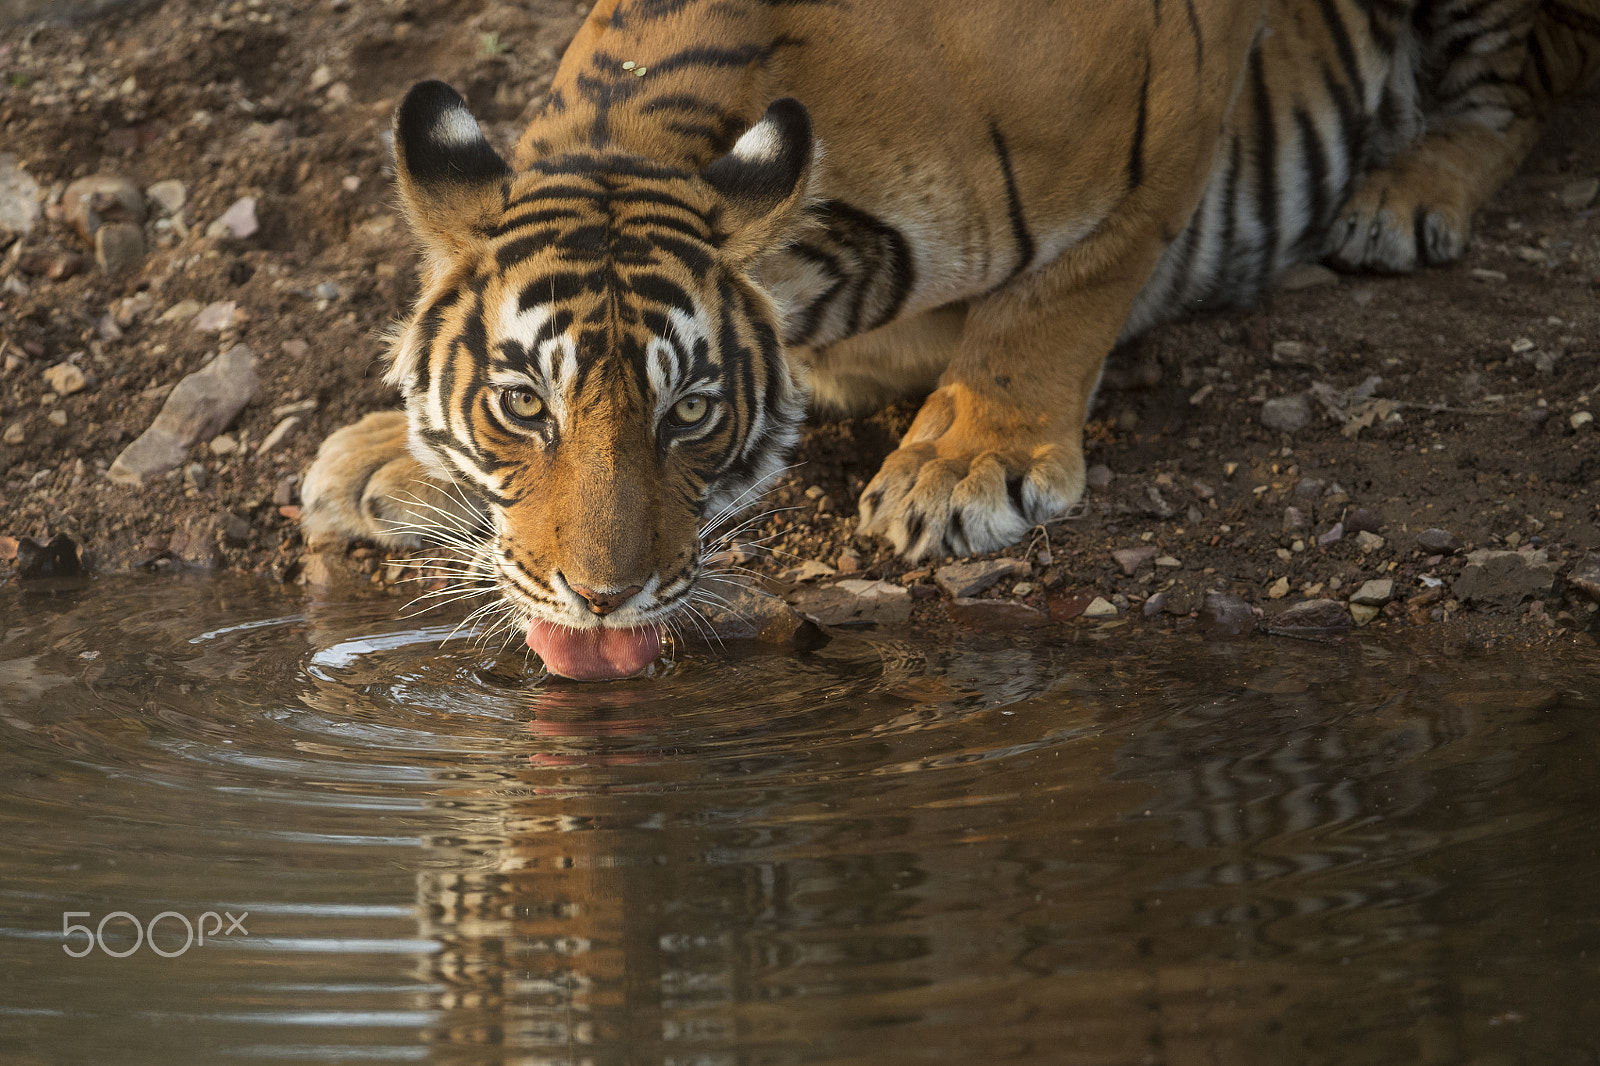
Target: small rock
(1504, 579)
(199, 407)
(215, 316)
(1363, 520)
(848, 562)
(1287, 414)
(222, 444)
(1374, 593)
(1311, 617)
(89, 202)
(238, 221)
(1369, 542)
(1363, 614)
(1226, 615)
(1292, 353)
(1168, 562)
(1309, 488)
(1098, 476)
(1130, 559)
(1577, 195)
(965, 580)
(235, 530)
(1099, 607)
(281, 131)
(327, 290)
(1279, 589)
(276, 435)
(1307, 276)
(295, 348)
(319, 78)
(169, 196)
(19, 197)
(995, 614)
(1203, 491)
(1154, 604)
(855, 600)
(1332, 536)
(66, 379)
(1294, 520)
(286, 490)
(1586, 576)
(1580, 419)
(1441, 541)
(183, 309)
(809, 570)
(15, 434)
(131, 309)
(1022, 588)
(118, 246)
(195, 477)
(58, 417)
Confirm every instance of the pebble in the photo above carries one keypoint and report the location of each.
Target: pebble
(57, 417)
(1098, 476)
(1168, 562)
(1130, 559)
(1363, 520)
(118, 246)
(1504, 579)
(855, 600)
(1441, 541)
(181, 310)
(1022, 588)
(327, 290)
(198, 408)
(286, 491)
(169, 196)
(238, 221)
(276, 435)
(995, 614)
(1100, 607)
(130, 309)
(965, 580)
(1154, 604)
(1307, 276)
(1332, 536)
(89, 202)
(1294, 520)
(19, 197)
(1311, 617)
(295, 348)
(1374, 593)
(235, 530)
(1287, 414)
(1279, 589)
(1580, 419)
(1292, 353)
(1577, 195)
(848, 562)
(195, 476)
(1363, 614)
(1226, 615)
(1310, 488)
(66, 379)
(215, 316)
(15, 433)
(1586, 576)
(223, 444)
(1369, 542)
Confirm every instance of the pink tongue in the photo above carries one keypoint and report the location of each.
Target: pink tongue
(594, 654)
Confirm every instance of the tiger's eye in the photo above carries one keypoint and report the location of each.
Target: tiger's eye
(690, 410)
(522, 403)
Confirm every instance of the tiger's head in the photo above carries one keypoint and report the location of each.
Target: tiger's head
(590, 358)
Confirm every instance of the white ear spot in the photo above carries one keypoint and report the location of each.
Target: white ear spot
(760, 143)
(456, 127)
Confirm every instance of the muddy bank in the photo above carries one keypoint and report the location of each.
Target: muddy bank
(1349, 431)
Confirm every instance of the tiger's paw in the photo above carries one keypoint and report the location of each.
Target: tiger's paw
(365, 485)
(1400, 219)
(968, 489)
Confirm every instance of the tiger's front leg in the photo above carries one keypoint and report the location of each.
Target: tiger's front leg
(366, 485)
(998, 447)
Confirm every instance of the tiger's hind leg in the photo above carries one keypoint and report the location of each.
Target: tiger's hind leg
(366, 485)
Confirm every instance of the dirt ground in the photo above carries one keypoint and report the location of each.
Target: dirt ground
(1478, 425)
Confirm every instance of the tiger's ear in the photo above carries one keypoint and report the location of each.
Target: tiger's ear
(764, 179)
(450, 177)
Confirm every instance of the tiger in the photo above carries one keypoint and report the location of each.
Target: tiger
(730, 211)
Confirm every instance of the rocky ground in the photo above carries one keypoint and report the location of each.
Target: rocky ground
(189, 185)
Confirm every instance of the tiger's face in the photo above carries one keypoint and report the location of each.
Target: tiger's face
(591, 360)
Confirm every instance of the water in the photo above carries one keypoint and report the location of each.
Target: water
(942, 848)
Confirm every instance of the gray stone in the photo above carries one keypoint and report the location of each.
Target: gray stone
(277, 434)
(118, 246)
(169, 196)
(1332, 536)
(90, 202)
(1363, 520)
(1098, 476)
(1504, 579)
(1226, 615)
(1374, 593)
(200, 407)
(1099, 607)
(235, 530)
(1439, 541)
(1586, 576)
(1311, 617)
(854, 600)
(964, 580)
(1154, 604)
(1294, 520)
(746, 613)
(1287, 414)
(238, 221)
(19, 197)
(215, 316)
(1130, 559)
(995, 614)
(1369, 542)
(1309, 488)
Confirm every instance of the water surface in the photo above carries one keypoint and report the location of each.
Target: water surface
(897, 848)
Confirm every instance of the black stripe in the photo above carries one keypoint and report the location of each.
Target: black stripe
(715, 57)
(1136, 152)
(1194, 29)
(1314, 164)
(1347, 53)
(1266, 148)
(1019, 222)
(1540, 67)
(1230, 200)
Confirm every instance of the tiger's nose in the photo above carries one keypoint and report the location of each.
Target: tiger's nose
(606, 602)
